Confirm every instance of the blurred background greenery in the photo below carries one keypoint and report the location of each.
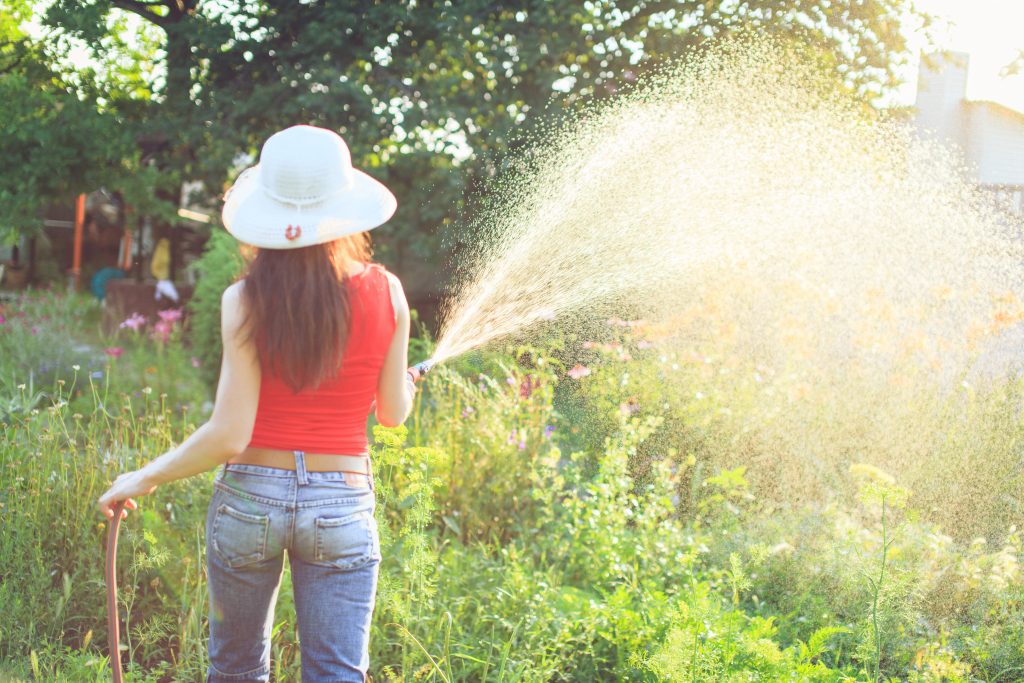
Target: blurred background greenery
(158, 99)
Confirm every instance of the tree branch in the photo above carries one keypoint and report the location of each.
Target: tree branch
(140, 8)
(18, 57)
(13, 65)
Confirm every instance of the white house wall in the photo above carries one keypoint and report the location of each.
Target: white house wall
(941, 88)
(995, 145)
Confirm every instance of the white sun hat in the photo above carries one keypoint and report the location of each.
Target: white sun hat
(304, 191)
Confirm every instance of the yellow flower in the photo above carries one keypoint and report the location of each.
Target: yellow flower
(878, 486)
(872, 473)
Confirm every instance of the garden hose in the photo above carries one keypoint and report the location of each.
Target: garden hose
(113, 627)
(417, 371)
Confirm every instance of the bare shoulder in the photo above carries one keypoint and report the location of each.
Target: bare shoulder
(233, 293)
(232, 311)
(393, 281)
(398, 300)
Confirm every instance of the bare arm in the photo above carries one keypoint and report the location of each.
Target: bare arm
(229, 428)
(226, 433)
(395, 390)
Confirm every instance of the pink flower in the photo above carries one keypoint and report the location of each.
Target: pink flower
(630, 407)
(579, 371)
(162, 330)
(527, 386)
(134, 322)
(170, 314)
(2, 319)
(195, 362)
(114, 351)
(35, 330)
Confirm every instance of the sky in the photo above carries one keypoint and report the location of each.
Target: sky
(990, 31)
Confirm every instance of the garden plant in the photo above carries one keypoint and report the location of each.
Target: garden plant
(538, 524)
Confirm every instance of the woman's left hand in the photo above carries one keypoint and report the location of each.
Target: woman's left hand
(134, 483)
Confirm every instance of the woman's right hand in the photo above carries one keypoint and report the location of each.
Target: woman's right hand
(134, 483)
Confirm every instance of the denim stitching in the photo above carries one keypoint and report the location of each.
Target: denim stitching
(248, 496)
(342, 521)
(261, 555)
(309, 504)
(259, 671)
(300, 468)
(284, 474)
(245, 495)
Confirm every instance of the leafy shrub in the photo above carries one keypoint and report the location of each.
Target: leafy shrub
(219, 266)
(41, 338)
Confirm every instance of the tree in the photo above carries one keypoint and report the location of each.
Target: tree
(432, 95)
(55, 143)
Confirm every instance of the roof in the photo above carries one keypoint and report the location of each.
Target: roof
(998, 108)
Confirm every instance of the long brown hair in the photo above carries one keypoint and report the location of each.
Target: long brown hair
(297, 308)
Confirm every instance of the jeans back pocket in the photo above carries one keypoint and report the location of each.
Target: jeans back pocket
(240, 538)
(346, 542)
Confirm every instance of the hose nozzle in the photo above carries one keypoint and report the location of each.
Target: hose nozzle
(417, 371)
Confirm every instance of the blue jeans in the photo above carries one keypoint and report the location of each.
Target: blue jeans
(328, 529)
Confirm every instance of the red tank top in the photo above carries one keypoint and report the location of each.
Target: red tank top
(332, 417)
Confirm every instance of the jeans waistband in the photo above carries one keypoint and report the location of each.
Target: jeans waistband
(302, 475)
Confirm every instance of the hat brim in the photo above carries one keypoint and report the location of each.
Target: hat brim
(255, 218)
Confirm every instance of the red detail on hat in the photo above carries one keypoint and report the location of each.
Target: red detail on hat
(292, 232)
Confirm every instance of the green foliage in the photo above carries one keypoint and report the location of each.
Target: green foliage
(65, 435)
(220, 265)
(508, 555)
(55, 146)
(55, 138)
(38, 345)
(432, 97)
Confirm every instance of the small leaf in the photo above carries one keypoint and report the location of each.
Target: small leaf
(452, 524)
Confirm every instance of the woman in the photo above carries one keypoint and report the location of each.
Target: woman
(314, 336)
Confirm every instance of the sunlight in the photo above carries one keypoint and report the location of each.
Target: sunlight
(988, 30)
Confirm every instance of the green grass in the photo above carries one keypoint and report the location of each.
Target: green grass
(519, 543)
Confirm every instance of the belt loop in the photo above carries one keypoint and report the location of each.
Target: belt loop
(300, 468)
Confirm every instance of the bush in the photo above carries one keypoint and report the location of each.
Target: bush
(219, 266)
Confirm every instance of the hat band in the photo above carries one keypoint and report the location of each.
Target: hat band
(303, 202)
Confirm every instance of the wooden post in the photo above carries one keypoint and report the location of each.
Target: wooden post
(76, 259)
(126, 251)
(31, 259)
(174, 250)
(137, 266)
